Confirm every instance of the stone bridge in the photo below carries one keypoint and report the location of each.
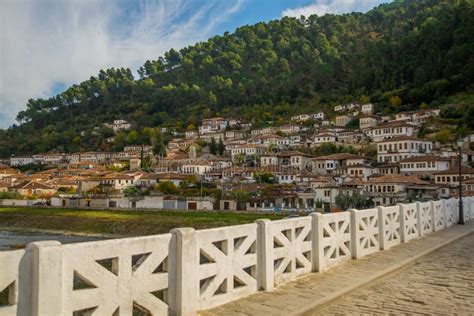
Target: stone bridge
(290, 266)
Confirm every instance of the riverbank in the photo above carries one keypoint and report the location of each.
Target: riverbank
(118, 223)
(11, 239)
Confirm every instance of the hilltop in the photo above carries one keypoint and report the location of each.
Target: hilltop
(400, 56)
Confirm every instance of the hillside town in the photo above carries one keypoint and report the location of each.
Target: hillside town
(353, 158)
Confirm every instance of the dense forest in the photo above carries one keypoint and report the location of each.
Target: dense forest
(419, 51)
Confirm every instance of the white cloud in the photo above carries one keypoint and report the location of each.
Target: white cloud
(46, 42)
(321, 7)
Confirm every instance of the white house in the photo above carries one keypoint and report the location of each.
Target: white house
(450, 177)
(289, 129)
(329, 163)
(362, 171)
(118, 182)
(343, 120)
(392, 188)
(348, 136)
(199, 167)
(339, 108)
(191, 134)
(424, 165)
(318, 116)
(289, 141)
(367, 109)
(21, 161)
(403, 147)
(234, 134)
(212, 125)
(368, 121)
(119, 125)
(301, 118)
(247, 150)
(294, 159)
(390, 130)
(323, 138)
(264, 140)
(263, 131)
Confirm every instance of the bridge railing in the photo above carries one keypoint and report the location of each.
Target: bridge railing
(390, 226)
(186, 270)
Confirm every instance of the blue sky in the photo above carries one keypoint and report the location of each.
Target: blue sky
(47, 45)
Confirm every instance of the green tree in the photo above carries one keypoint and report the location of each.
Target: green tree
(132, 191)
(412, 51)
(395, 101)
(167, 187)
(159, 147)
(132, 137)
(213, 146)
(265, 177)
(444, 136)
(221, 147)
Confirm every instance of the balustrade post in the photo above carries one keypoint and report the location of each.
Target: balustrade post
(470, 208)
(183, 273)
(317, 253)
(355, 250)
(433, 215)
(466, 212)
(403, 228)
(46, 287)
(454, 210)
(382, 225)
(419, 219)
(446, 213)
(265, 278)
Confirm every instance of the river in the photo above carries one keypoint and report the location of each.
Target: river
(15, 239)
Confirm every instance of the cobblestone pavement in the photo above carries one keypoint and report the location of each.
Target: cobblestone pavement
(444, 278)
(441, 283)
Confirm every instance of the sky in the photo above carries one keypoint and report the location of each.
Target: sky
(47, 45)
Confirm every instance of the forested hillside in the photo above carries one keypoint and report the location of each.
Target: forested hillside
(421, 51)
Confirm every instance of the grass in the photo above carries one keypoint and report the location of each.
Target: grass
(126, 223)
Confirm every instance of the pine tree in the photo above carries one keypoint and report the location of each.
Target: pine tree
(221, 147)
(213, 147)
(159, 147)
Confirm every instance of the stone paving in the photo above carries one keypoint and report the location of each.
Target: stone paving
(318, 293)
(442, 283)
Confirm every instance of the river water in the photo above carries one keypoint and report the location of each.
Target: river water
(15, 239)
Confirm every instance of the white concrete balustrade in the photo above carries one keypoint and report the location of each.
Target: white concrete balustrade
(332, 239)
(426, 218)
(9, 279)
(450, 211)
(227, 267)
(410, 221)
(390, 227)
(439, 215)
(290, 248)
(186, 270)
(365, 232)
